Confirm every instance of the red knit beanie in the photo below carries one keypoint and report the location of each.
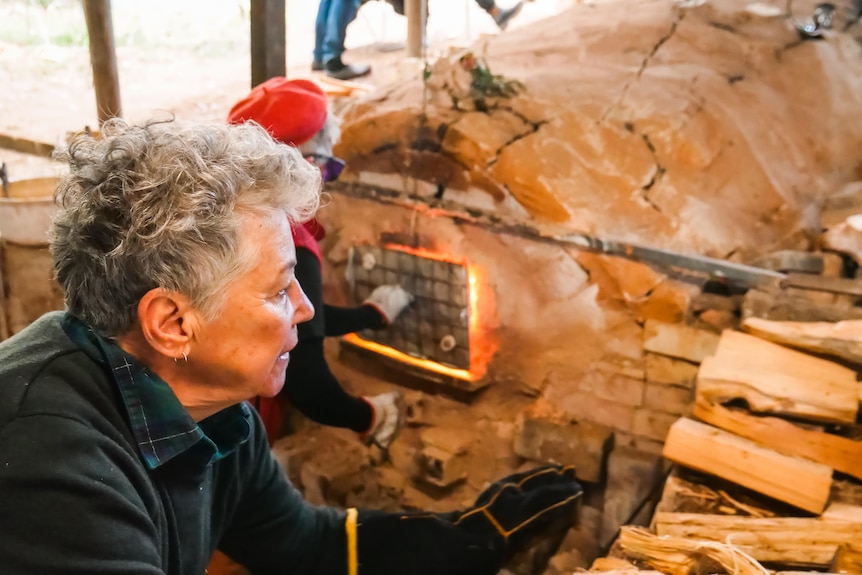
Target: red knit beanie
(292, 111)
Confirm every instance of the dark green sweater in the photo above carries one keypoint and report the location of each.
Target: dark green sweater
(77, 496)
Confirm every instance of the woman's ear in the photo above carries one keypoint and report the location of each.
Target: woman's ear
(164, 317)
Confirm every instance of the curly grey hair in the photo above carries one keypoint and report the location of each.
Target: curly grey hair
(161, 205)
(324, 140)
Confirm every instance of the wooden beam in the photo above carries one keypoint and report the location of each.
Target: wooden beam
(794, 540)
(26, 146)
(837, 452)
(103, 58)
(774, 379)
(712, 450)
(4, 323)
(268, 40)
(415, 11)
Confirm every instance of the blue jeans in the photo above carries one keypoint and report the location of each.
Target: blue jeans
(330, 29)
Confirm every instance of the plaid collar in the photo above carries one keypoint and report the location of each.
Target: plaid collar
(162, 427)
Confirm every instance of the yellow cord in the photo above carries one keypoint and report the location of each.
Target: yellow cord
(350, 527)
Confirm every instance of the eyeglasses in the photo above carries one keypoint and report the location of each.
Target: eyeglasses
(330, 166)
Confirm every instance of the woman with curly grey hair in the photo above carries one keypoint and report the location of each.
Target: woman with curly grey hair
(127, 445)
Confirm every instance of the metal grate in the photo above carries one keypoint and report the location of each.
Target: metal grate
(436, 325)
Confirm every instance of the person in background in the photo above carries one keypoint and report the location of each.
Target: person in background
(334, 16)
(127, 443)
(330, 31)
(501, 16)
(295, 112)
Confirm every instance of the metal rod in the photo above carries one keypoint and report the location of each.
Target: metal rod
(713, 268)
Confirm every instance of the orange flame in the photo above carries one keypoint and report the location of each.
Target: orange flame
(481, 348)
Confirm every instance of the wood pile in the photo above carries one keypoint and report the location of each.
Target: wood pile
(769, 464)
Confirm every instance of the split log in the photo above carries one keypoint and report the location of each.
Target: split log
(774, 379)
(681, 556)
(712, 450)
(787, 540)
(841, 339)
(848, 559)
(837, 452)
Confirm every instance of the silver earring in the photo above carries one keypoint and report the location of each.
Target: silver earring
(185, 357)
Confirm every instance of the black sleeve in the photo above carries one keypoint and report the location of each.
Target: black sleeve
(329, 320)
(342, 320)
(272, 529)
(424, 544)
(313, 390)
(308, 275)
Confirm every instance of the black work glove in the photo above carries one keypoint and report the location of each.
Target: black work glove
(476, 541)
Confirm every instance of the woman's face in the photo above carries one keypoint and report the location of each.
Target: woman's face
(244, 352)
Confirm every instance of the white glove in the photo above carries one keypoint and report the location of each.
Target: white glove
(389, 300)
(388, 417)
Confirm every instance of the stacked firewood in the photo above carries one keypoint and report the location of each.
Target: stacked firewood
(774, 418)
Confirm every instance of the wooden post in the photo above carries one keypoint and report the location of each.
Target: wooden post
(103, 58)
(415, 11)
(268, 40)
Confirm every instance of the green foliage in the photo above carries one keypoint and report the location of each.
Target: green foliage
(486, 84)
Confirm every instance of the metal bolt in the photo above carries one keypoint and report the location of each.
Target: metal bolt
(368, 261)
(448, 342)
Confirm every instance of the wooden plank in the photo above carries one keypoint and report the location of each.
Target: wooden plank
(103, 58)
(842, 339)
(775, 379)
(712, 450)
(268, 40)
(837, 452)
(789, 540)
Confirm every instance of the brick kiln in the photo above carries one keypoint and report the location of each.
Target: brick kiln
(695, 127)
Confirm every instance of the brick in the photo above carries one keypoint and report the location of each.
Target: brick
(719, 319)
(632, 476)
(679, 340)
(652, 424)
(590, 407)
(614, 387)
(622, 366)
(638, 442)
(443, 458)
(670, 371)
(668, 399)
(547, 436)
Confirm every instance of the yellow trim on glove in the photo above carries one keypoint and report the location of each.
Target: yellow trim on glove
(352, 552)
(484, 509)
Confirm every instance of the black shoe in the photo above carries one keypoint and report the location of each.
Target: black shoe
(316, 66)
(504, 16)
(337, 69)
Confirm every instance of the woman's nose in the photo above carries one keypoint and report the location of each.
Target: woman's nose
(303, 308)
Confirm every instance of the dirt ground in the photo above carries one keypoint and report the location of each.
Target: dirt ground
(190, 58)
